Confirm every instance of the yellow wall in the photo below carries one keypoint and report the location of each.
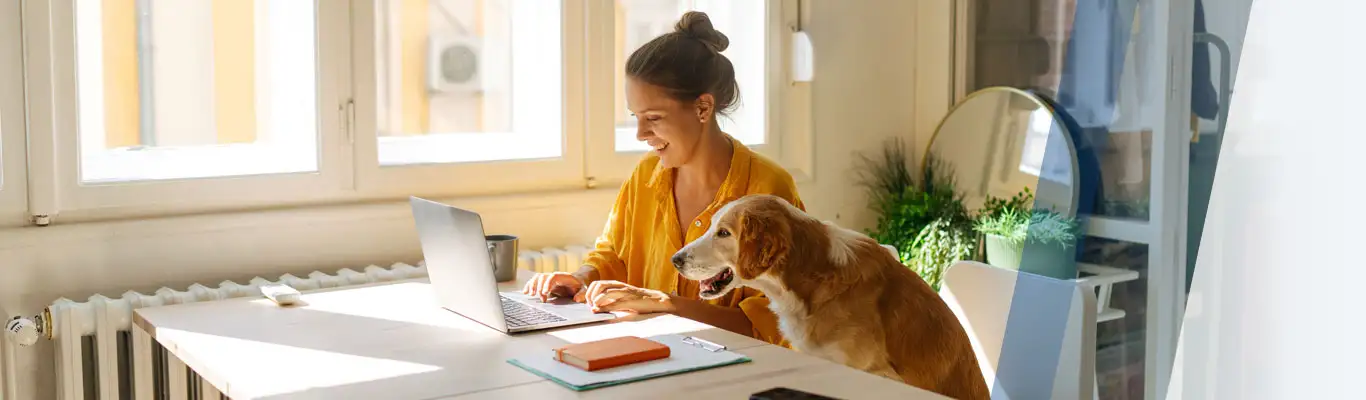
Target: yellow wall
(234, 70)
(121, 106)
(413, 29)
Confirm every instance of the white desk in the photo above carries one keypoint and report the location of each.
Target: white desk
(391, 341)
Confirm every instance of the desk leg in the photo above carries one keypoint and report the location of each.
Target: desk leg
(177, 378)
(142, 364)
(208, 392)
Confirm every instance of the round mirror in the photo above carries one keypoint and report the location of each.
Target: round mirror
(998, 142)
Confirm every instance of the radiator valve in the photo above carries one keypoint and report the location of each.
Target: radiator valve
(23, 331)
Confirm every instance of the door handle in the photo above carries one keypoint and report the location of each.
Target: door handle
(1225, 83)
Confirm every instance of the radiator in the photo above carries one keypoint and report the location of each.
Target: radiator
(99, 356)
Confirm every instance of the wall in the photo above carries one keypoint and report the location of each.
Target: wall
(865, 93)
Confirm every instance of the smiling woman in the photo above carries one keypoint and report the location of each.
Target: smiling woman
(678, 84)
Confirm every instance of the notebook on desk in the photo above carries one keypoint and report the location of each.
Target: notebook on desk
(686, 355)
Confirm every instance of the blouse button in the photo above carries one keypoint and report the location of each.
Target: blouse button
(697, 223)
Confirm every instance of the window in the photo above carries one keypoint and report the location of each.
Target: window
(153, 107)
(468, 81)
(177, 89)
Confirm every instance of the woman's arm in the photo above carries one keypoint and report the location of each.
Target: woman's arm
(729, 318)
(587, 274)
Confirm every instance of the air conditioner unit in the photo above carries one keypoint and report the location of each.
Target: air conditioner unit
(454, 63)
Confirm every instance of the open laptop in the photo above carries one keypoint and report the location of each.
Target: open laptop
(461, 272)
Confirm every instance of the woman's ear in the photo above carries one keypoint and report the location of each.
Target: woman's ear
(705, 107)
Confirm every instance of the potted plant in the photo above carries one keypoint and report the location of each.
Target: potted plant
(924, 219)
(1036, 241)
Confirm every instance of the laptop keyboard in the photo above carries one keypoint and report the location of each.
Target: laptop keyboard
(520, 315)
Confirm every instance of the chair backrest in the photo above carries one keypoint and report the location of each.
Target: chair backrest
(892, 249)
(1034, 336)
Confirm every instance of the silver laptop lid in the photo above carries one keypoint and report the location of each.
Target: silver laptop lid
(458, 264)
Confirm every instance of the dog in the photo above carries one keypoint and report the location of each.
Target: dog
(838, 294)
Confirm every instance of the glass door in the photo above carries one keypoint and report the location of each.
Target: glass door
(1139, 77)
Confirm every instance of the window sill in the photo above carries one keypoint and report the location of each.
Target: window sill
(304, 215)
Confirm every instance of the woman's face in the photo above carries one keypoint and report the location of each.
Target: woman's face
(674, 129)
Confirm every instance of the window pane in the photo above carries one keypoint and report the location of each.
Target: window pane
(742, 21)
(172, 89)
(469, 80)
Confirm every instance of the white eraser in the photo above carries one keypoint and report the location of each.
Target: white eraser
(280, 294)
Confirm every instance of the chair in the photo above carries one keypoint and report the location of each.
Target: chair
(1034, 336)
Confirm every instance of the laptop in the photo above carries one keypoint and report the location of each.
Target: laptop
(461, 272)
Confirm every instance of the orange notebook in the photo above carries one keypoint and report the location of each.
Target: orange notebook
(609, 353)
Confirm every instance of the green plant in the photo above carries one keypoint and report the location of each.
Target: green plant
(1036, 226)
(994, 207)
(939, 245)
(924, 219)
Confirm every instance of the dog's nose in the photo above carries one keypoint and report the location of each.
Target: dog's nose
(678, 260)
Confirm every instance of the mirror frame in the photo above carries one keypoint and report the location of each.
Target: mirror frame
(1057, 122)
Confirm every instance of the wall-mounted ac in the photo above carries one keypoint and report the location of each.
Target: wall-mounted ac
(453, 63)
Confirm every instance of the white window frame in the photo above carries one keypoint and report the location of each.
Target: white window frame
(47, 156)
(788, 136)
(467, 178)
(50, 36)
(13, 157)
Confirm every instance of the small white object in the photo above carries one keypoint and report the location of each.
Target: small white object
(280, 294)
(803, 57)
(22, 331)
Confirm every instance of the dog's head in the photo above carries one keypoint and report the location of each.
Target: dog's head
(748, 238)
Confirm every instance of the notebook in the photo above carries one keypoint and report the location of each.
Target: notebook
(685, 356)
(612, 353)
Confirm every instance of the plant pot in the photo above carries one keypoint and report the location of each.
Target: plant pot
(1052, 260)
(1047, 259)
(1003, 253)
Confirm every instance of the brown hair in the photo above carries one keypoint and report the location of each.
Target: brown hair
(688, 63)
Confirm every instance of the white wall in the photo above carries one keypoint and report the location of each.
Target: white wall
(865, 92)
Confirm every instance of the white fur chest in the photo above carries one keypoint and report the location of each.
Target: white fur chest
(790, 311)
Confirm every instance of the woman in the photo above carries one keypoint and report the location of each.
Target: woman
(677, 85)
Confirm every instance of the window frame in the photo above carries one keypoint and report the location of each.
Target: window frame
(13, 154)
(44, 160)
(50, 39)
(467, 178)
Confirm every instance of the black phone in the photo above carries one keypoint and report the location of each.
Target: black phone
(782, 393)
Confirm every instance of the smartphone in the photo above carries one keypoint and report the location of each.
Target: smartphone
(782, 393)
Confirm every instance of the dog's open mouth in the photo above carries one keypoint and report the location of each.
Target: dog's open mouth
(714, 285)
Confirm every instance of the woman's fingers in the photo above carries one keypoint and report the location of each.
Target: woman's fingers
(598, 287)
(612, 296)
(546, 286)
(532, 284)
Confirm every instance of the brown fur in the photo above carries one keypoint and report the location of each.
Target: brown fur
(869, 312)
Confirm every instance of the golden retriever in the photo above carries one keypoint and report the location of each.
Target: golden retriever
(838, 294)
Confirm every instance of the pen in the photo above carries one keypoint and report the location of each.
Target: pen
(705, 344)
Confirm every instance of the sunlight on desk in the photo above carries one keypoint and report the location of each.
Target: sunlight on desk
(326, 368)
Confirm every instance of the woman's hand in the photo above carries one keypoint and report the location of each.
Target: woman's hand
(557, 284)
(617, 296)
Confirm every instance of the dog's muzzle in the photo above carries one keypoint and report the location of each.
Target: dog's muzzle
(679, 260)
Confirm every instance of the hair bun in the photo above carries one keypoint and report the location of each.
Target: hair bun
(697, 25)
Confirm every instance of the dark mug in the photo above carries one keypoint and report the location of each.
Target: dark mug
(503, 256)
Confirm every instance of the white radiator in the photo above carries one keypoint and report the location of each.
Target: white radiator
(100, 356)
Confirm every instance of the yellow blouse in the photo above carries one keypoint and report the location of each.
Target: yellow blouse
(642, 231)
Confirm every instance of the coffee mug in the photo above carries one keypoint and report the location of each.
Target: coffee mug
(503, 256)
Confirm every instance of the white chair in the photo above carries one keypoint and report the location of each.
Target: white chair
(1035, 337)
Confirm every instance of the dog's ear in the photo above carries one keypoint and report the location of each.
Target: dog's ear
(765, 239)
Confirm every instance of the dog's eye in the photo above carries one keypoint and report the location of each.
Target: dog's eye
(723, 233)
